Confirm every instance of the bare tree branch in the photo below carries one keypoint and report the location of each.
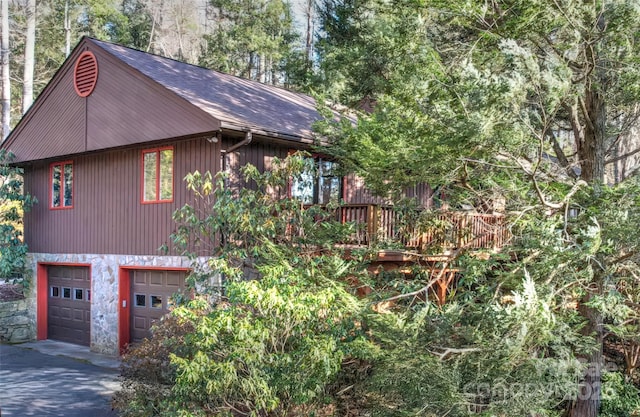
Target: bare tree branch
(562, 158)
(618, 158)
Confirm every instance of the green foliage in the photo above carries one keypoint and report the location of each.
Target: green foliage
(238, 224)
(254, 40)
(620, 398)
(476, 357)
(147, 372)
(267, 344)
(13, 203)
(272, 344)
(276, 342)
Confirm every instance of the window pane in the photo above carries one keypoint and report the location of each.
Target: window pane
(78, 294)
(55, 185)
(329, 182)
(55, 291)
(329, 190)
(302, 186)
(166, 174)
(68, 185)
(149, 182)
(156, 301)
(66, 292)
(140, 300)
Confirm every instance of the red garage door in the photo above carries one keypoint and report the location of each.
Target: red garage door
(69, 304)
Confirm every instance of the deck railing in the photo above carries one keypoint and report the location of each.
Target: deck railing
(425, 229)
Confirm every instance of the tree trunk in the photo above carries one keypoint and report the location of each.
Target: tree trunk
(588, 402)
(4, 57)
(67, 29)
(592, 148)
(29, 60)
(591, 151)
(309, 40)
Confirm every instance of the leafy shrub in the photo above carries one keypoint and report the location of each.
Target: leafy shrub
(268, 345)
(13, 203)
(147, 372)
(474, 358)
(619, 398)
(274, 343)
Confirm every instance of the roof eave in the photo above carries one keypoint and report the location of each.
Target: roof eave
(256, 130)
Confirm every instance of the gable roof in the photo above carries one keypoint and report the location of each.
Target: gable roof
(141, 97)
(238, 102)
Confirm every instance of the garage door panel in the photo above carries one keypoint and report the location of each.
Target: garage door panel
(139, 278)
(69, 308)
(175, 281)
(140, 323)
(151, 291)
(79, 315)
(65, 314)
(156, 280)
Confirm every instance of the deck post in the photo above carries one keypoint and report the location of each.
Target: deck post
(372, 222)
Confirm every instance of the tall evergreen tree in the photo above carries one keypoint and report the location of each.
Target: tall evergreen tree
(252, 39)
(528, 99)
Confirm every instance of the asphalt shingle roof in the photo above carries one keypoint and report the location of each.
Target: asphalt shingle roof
(233, 100)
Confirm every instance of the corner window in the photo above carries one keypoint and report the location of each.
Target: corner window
(318, 183)
(157, 175)
(61, 186)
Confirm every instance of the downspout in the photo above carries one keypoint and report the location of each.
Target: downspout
(248, 137)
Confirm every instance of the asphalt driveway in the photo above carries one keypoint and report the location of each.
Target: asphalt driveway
(36, 384)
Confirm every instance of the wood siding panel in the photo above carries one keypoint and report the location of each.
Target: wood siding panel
(108, 217)
(356, 192)
(55, 124)
(260, 154)
(128, 108)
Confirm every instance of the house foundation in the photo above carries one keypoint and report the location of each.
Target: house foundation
(102, 297)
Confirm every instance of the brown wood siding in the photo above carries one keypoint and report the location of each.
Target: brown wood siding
(56, 123)
(107, 215)
(259, 153)
(126, 108)
(356, 192)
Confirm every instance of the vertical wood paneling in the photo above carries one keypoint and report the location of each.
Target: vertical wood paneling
(108, 216)
(55, 125)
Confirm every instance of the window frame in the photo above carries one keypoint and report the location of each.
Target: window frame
(63, 186)
(318, 159)
(157, 152)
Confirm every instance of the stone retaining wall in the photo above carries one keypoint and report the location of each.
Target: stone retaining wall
(17, 321)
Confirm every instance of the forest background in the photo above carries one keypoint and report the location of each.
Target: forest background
(534, 103)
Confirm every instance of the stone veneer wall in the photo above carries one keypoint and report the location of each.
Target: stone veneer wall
(17, 321)
(104, 288)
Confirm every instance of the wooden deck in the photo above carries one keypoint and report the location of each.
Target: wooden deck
(426, 231)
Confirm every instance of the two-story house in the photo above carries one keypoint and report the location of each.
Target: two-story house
(104, 150)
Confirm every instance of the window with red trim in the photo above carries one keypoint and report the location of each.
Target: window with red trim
(157, 175)
(61, 185)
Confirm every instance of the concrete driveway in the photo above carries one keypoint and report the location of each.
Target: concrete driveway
(38, 384)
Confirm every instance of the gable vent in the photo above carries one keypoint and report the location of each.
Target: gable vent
(85, 74)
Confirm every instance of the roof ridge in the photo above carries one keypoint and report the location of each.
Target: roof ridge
(226, 74)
